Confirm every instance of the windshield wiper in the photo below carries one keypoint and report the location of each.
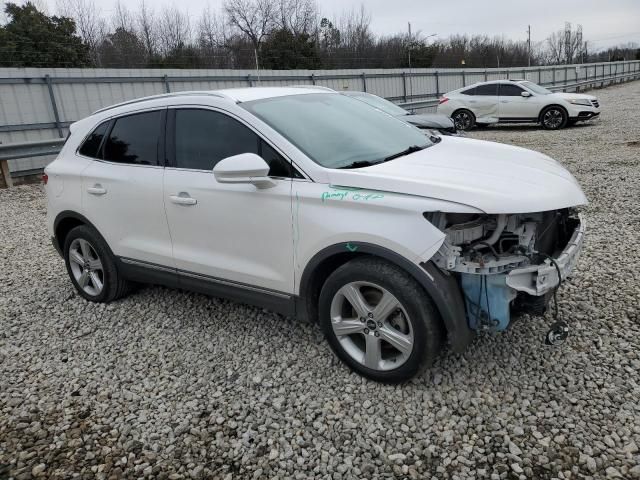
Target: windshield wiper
(359, 164)
(411, 149)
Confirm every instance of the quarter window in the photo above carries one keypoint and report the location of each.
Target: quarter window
(204, 137)
(91, 145)
(507, 90)
(135, 139)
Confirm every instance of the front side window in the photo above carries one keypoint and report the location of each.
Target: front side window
(92, 143)
(336, 131)
(507, 90)
(204, 137)
(135, 139)
(488, 89)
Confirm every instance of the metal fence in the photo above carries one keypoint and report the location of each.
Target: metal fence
(39, 104)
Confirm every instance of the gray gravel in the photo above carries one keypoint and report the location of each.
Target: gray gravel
(174, 385)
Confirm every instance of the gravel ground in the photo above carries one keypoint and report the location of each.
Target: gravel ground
(172, 385)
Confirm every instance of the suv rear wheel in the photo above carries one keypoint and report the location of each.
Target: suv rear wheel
(379, 321)
(91, 266)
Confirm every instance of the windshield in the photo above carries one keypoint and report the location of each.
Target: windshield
(381, 104)
(535, 88)
(336, 131)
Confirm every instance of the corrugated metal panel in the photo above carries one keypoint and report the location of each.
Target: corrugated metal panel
(25, 102)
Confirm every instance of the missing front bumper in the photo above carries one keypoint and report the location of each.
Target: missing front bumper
(540, 279)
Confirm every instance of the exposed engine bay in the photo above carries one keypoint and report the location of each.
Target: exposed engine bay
(508, 262)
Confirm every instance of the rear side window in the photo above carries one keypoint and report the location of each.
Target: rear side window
(469, 91)
(204, 137)
(507, 90)
(91, 145)
(489, 89)
(135, 139)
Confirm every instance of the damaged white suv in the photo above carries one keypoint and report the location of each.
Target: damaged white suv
(315, 205)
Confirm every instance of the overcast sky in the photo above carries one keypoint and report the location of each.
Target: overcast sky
(605, 22)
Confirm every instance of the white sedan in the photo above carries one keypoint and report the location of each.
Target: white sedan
(516, 101)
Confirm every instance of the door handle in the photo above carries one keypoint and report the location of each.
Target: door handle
(97, 189)
(504, 101)
(183, 198)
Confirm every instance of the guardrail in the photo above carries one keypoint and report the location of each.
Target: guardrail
(14, 151)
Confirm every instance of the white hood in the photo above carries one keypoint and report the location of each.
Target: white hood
(491, 177)
(575, 96)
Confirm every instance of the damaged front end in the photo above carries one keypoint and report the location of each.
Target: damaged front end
(509, 262)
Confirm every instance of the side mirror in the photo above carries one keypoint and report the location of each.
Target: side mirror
(243, 168)
(526, 94)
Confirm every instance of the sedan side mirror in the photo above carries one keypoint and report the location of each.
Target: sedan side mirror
(244, 168)
(525, 94)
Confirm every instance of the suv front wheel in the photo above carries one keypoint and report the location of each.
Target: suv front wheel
(91, 266)
(379, 321)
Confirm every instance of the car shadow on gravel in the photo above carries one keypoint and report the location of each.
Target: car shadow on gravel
(526, 127)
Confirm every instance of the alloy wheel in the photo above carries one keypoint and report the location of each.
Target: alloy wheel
(462, 120)
(553, 118)
(371, 325)
(86, 267)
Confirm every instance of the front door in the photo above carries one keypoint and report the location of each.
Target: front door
(514, 107)
(484, 103)
(235, 234)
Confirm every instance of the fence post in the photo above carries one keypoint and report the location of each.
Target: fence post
(364, 82)
(524, 74)
(553, 82)
(464, 79)
(4, 172)
(167, 87)
(249, 80)
(540, 75)
(566, 76)
(437, 84)
(404, 86)
(313, 79)
(486, 76)
(52, 97)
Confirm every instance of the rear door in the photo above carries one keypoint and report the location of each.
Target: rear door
(122, 187)
(484, 102)
(514, 107)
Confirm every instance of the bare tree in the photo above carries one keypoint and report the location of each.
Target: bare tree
(297, 16)
(89, 22)
(254, 18)
(122, 18)
(147, 28)
(176, 29)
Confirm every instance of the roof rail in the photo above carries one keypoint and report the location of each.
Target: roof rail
(162, 95)
(313, 87)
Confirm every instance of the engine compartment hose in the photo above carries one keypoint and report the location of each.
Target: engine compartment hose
(502, 222)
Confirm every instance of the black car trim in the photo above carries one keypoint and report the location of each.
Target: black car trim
(148, 272)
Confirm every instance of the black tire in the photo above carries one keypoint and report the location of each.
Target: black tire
(554, 118)
(422, 316)
(463, 119)
(113, 285)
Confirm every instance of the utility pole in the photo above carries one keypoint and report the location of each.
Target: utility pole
(410, 45)
(529, 43)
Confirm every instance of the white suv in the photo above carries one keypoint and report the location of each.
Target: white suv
(516, 101)
(314, 205)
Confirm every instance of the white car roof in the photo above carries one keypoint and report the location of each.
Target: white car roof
(258, 93)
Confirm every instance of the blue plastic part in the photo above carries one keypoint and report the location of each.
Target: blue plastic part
(477, 290)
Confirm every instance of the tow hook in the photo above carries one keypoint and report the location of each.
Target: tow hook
(557, 334)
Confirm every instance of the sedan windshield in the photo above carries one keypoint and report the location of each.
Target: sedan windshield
(535, 88)
(336, 131)
(381, 104)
